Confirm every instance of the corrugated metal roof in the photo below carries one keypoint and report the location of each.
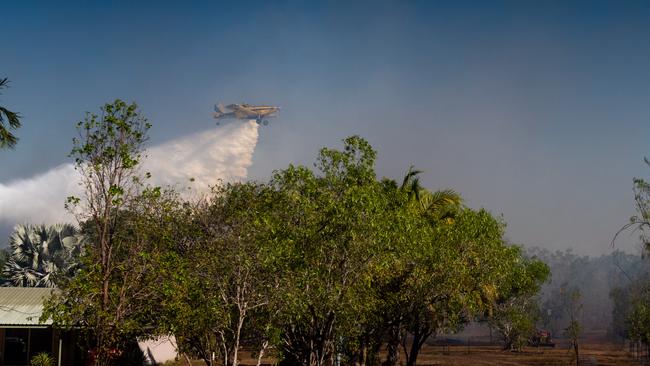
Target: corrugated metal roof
(22, 305)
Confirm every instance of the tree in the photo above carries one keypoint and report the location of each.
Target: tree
(573, 329)
(516, 310)
(40, 254)
(461, 272)
(369, 260)
(436, 209)
(223, 294)
(458, 267)
(641, 221)
(8, 121)
(632, 301)
(437, 205)
(337, 226)
(119, 218)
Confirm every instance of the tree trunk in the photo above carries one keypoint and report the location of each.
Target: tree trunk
(234, 359)
(261, 354)
(392, 359)
(416, 345)
(362, 354)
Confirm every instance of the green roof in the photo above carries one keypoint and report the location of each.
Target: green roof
(22, 306)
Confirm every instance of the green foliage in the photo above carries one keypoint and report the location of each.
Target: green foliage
(314, 263)
(632, 302)
(42, 359)
(7, 138)
(222, 288)
(336, 227)
(516, 310)
(124, 223)
(633, 310)
(638, 321)
(641, 221)
(40, 254)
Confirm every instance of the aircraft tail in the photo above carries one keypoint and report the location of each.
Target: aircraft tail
(220, 108)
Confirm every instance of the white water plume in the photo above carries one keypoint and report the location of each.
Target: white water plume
(224, 153)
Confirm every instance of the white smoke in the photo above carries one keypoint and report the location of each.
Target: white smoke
(39, 199)
(224, 153)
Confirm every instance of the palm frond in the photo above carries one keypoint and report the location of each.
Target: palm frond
(40, 252)
(410, 175)
(8, 139)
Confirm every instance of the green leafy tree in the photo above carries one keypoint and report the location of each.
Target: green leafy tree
(223, 294)
(336, 231)
(456, 268)
(638, 321)
(460, 272)
(39, 254)
(8, 121)
(516, 310)
(121, 220)
(409, 308)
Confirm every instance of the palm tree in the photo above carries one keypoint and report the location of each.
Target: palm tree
(438, 205)
(7, 139)
(39, 253)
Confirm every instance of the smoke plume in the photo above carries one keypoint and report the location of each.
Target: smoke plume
(224, 153)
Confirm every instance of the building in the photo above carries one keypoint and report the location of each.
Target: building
(21, 334)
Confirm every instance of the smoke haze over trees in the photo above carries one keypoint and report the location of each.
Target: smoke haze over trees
(595, 277)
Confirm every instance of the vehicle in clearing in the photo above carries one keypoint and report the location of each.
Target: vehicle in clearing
(541, 338)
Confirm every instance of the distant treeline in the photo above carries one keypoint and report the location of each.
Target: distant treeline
(601, 280)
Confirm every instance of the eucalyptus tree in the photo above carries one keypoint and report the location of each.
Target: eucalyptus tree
(122, 219)
(39, 254)
(8, 121)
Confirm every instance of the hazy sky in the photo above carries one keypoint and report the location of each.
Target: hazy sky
(535, 110)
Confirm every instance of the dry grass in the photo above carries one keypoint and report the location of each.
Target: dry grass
(593, 353)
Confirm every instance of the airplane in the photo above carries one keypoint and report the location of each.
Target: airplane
(246, 112)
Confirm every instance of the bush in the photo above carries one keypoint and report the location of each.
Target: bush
(42, 359)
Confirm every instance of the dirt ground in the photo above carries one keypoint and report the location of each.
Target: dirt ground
(592, 353)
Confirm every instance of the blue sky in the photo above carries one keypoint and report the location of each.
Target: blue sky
(535, 110)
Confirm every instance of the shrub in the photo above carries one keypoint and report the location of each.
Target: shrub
(42, 359)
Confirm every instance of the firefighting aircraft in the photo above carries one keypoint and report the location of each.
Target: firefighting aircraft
(246, 111)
